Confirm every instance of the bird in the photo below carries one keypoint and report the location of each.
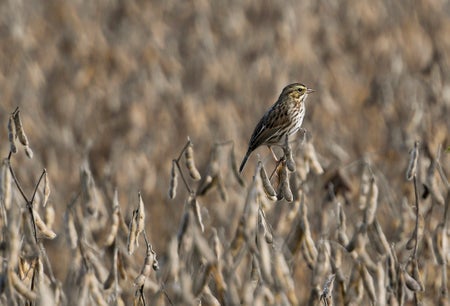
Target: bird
(281, 120)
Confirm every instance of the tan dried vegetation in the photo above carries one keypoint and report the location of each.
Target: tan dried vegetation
(354, 212)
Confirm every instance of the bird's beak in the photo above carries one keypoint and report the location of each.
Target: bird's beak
(309, 90)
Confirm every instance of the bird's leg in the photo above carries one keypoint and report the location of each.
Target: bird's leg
(273, 154)
(277, 161)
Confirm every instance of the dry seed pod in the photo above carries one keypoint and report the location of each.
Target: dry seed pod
(268, 188)
(146, 268)
(19, 129)
(197, 213)
(411, 242)
(410, 282)
(12, 135)
(412, 164)
(285, 189)
(371, 206)
(364, 187)
(115, 220)
(173, 181)
(49, 216)
(381, 237)
(401, 294)
(140, 216)
(368, 282)
(439, 243)
(6, 193)
(46, 189)
(190, 163)
(94, 290)
(212, 172)
(217, 246)
(283, 275)
(132, 233)
(21, 288)
(28, 152)
(342, 235)
(44, 231)
(234, 167)
(381, 281)
(290, 163)
(208, 298)
(71, 230)
(307, 254)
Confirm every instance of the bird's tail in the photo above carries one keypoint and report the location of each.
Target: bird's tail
(244, 161)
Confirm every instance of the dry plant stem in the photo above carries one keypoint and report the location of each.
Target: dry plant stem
(416, 228)
(29, 202)
(116, 278)
(177, 162)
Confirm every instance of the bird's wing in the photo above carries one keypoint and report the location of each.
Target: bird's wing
(265, 130)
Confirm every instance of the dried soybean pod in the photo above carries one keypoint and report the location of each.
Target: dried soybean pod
(268, 188)
(5, 188)
(290, 163)
(173, 181)
(137, 225)
(197, 213)
(146, 268)
(412, 165)
(115, 220)
(46, 188)
(140, 218)
(410, 282)
(42, 227)
(190, 162)
(11, 135)
(285, 189)
(372, 203)
(28, 152)
(19, 129)
(132, 233)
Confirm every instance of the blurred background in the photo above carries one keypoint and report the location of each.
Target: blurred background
(122, 84)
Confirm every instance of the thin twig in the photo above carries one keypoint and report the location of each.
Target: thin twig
(44, 172)
(29, 204)
(182, 175)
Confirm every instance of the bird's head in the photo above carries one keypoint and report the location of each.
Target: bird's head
(296, 91)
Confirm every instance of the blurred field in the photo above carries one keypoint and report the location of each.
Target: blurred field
(120, 85)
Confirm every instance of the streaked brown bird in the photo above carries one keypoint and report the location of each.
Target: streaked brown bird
(283, 119)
